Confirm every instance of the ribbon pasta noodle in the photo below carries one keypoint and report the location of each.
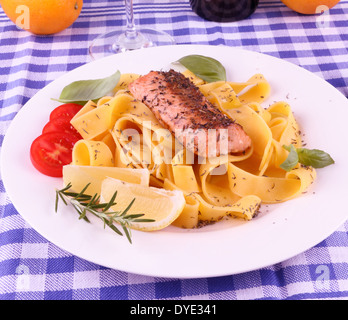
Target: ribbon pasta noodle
(123, 132)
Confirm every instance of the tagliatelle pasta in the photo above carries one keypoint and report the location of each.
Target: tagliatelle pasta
(123, 132)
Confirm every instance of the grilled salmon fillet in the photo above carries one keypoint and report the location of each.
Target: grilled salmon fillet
(181, 108)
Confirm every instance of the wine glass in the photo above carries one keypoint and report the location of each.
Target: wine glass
(130, 39)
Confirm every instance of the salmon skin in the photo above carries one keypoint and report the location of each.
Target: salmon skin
(181, 108)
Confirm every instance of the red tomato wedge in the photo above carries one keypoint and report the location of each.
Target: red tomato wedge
(51, 151)
(67, 110)
(61, 125)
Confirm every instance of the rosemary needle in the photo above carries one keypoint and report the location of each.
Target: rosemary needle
(84, 203)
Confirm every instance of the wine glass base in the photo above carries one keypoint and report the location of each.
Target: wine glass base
(116, 42)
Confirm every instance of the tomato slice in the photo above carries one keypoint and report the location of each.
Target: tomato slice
(51, 151)
(67, 110)
(61, 125)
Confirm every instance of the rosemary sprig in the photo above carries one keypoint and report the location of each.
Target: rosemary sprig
(84, 203)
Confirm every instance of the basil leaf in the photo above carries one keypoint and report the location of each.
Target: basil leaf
(206, 68)
(314, 158)
(308, 157)
(85, 90)
(292, 159)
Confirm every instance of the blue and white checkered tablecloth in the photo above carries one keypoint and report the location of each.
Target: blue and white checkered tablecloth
(29, 62)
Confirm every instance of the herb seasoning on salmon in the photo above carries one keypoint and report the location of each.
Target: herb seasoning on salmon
(181, 108)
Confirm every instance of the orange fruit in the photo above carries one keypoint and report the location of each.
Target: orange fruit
(42, 16)
(310, 6)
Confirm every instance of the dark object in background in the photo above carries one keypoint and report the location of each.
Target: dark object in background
(224, 10)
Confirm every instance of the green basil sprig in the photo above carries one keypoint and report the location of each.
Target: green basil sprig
(206, 68)
(85, 90)
(292, 159)
(308, 157)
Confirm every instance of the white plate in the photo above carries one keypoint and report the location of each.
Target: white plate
(280, 232)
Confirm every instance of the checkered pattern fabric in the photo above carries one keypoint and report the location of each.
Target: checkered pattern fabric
(33, 268)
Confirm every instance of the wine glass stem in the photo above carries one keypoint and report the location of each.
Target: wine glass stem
(131, 32)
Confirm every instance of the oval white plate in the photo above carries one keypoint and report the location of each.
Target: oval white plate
(279, 232)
